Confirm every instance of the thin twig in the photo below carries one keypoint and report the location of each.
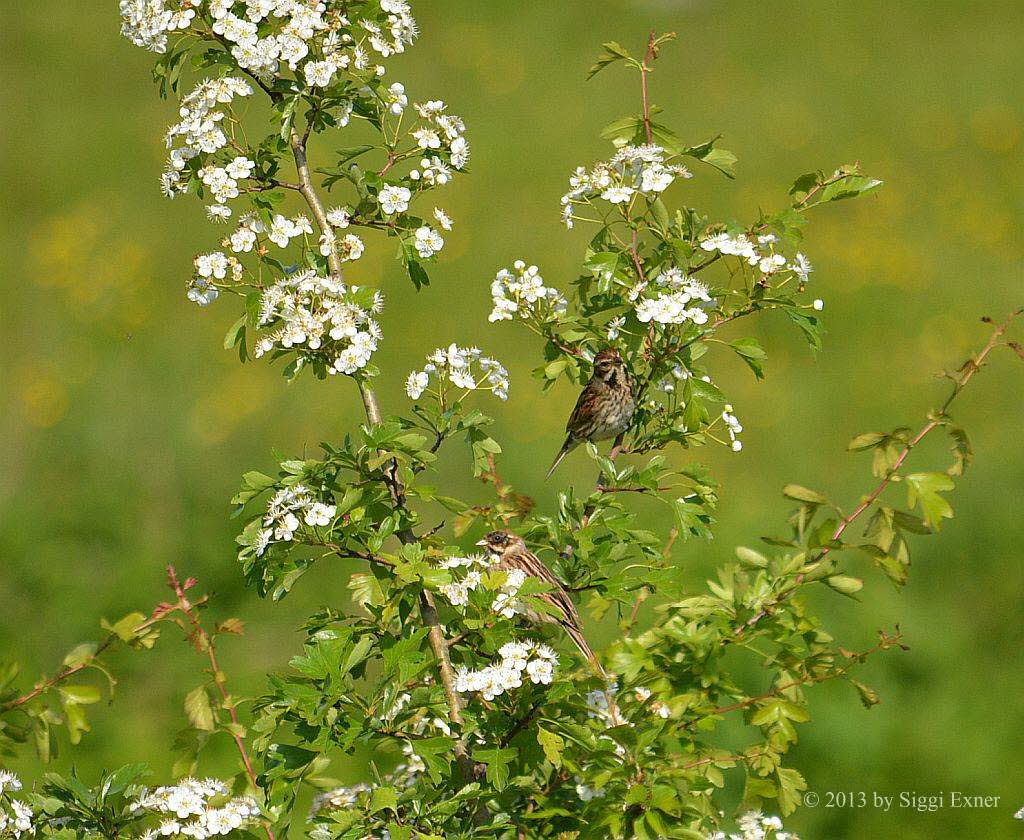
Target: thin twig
(203, 642)
(45, 685)
(967, 372)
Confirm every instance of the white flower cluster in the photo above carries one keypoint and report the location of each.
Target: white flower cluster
(521, 291)
(19, 820)
(189, 809)
(671, 298)
(761, 253)
(209, 268)
(506, 599)
(633, 170)
(457, 592)
(536, 661)
(756, 826)
(734, 428)
(9, 782)
(284, 510)
(1019, 815)
(320, 318)
(439, 131)
(200, 132)
(146, 22)
(294, 32)
(463, 367)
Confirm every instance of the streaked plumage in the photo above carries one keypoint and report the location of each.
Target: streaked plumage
(605, 407)
(511, 552)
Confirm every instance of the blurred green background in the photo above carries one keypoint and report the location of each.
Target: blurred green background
(124, 426)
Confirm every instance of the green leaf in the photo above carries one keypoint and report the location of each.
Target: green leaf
(751, 351)
(384, 798)
(497, 762)
(552, 745)
(81, 694)
(849, 187)
(868, 440)
(80, 655)
(923, 489)
(845, 585)
(791, 786)
(867, 695)
(435, 754)
(199, 710)
(722, 160)
(802, 494)
(417, 274)
(236, 333)
(613, 51)
(750, 557)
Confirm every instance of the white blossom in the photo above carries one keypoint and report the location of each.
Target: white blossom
(506, 673)
(801, 267)
(320, 514)
(585, 792)
(443, 219)
(396, 98)
(319, 73)
(733, 427)
(427, 242)
(339, 217)
(633, 169)
(351, 247)
(674, 299)
(393, 199)
(198, 809)
(463, 367)
(320, 318)
(521, 291)
(9, 782)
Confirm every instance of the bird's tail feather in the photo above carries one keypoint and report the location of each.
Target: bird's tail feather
(577, 636)
(567, 447)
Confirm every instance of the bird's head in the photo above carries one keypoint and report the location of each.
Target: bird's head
(500, 543)
(608, 365)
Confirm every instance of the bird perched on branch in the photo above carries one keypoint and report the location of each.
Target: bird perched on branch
(508, 551)
(605, 407)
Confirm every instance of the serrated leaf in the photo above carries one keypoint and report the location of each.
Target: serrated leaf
(552, 745)
(923, 489)
(613, 51)
(199, 710)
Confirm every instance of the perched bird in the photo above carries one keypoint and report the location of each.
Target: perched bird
(510, 552)
(605, 407)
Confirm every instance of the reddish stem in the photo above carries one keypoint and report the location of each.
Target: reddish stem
(203, 642)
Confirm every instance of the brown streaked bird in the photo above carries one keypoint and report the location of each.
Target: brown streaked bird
(605, 407)
(510, 552)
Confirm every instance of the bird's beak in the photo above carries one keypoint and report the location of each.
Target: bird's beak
(482, 543)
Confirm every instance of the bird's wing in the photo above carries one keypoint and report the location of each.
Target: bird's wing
(581, 410)
(535, 567)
